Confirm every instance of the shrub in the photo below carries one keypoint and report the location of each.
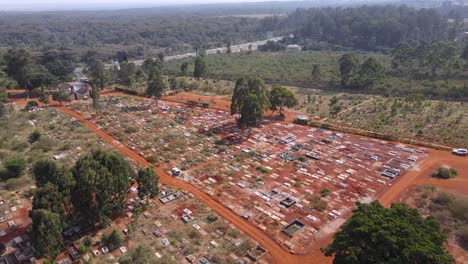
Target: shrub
(15, 166)
(445, 173)
(113, 240)
(35, 136)
(31, 104)
(263, 169)
(324, 192)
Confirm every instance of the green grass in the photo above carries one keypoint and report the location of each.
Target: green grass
(275, 67)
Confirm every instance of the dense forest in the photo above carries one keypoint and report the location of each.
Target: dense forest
(143, 33)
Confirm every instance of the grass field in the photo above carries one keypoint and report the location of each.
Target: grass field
(59, 135)
(432, 121)
(274, 67)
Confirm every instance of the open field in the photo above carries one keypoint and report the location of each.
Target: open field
(295, 66)
(269, 183)
(432, 121)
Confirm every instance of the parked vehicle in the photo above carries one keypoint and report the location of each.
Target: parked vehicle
(460, 152)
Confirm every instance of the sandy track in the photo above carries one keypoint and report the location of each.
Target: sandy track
(279, 254)
(422, 176)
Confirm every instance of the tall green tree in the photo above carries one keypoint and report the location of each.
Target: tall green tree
(48, 197)
(281, 97)
(200, 67)
(59, 62)
(98, 75)
(184, 68)
(404, 62)
(349, 68)
(46, 233)
(375, 234)
(20, 66)
(102, 181)
(94, 93)
(370, 73)
(46, 171)
(258, 87)
(127, 74)
(60, 96)
(147, 180)
(251, 112)
(156, 85)
(241, 90)
(316, 72)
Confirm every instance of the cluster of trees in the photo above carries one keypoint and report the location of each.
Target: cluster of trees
(375, 234)
(18, 67)
(435, 60)
(92, 190)
(357, 75)
(369, 27)
(133, 30)
(251, 98)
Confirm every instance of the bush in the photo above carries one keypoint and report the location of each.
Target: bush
(263, 169)
(324, 192)
(15, 166)
(445, 173)
(113, 240)
(35, 136)
(31, 104)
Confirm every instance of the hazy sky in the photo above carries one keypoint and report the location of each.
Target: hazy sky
(26, 5)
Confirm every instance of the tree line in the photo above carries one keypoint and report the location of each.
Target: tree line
(89, 193)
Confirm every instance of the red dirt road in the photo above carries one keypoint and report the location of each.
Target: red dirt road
(422, 176)
(279, 254)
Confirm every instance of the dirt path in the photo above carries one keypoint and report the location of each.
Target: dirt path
(422, 176)
(279, 254)
(349, 109)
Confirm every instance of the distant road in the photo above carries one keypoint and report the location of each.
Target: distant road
(234, 49)
(250, 46)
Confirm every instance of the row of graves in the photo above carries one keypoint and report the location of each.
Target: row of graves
(298, 183)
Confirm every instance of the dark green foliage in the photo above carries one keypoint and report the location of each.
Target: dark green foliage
(156, 85)
(46, 171)
(272, 46)
(445, 173)
(102, 181)
(243, 88)
(35, 136)
(199, 69)
(21, 67)
(30, 105)
(349, 68)
(59, 62)
(324, 192)
(251, 112)
(184, 68)
(48, 197)
(370, 73)
(113, 240)
(97, 74)
(2, 248)
(147, 180)
(46, 233)
(281, 97)
(15, 166)
(60, 96)
(127, 74)
(375, 234)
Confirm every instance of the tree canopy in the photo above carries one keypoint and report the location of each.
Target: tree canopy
(147, 180)
(102, 181)
(199, 69)
(46, 233)
(375, 234)
(281, 97)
